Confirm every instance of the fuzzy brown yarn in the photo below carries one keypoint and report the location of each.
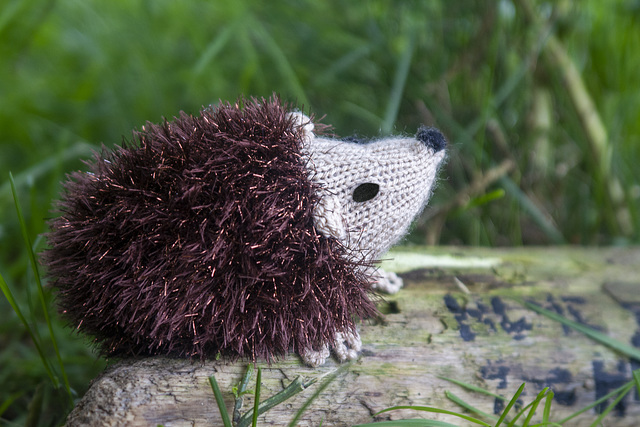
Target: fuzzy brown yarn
(197, 238)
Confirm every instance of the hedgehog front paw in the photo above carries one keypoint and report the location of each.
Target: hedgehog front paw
(387, 282)
(346, 345)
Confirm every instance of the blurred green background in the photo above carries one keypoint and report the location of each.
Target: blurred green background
(539, 99)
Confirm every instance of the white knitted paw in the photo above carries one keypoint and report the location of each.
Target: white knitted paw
(346, 346)
(387, 282)
(315, 358)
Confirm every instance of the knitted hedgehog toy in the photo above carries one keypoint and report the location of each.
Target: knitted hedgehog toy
(237, 232)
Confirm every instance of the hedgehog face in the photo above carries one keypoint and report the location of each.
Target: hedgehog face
(370, 193)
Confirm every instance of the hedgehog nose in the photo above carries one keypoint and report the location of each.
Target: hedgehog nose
(431, 137)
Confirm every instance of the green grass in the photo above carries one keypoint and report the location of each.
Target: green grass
(515, 414)
(51, 400)
(296, 386)
(491, 75)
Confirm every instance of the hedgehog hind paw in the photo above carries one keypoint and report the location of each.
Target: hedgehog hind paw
(315, 358)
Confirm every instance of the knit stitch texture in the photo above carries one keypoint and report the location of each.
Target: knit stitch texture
(404, 171)
(369, 195)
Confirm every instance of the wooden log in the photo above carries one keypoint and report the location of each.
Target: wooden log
(457, 317)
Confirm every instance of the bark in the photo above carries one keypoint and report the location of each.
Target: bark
(457, 317)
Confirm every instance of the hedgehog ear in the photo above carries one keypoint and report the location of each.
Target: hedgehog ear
(328, 218)
(305, 124)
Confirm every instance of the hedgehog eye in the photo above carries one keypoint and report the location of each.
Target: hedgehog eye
(366, 191)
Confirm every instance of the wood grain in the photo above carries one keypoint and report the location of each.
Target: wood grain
(458, 317)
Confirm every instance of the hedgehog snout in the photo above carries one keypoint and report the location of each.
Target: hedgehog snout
(431, 137)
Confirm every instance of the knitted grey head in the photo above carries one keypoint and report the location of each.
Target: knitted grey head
(370, 193)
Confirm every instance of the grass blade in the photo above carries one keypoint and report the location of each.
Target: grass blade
(220, 401)
(256, 402)
(614, 344)
(519, 414)
(510, 405)
(9, 401)
(36, 273)
(399, 83)
(458, 401)
(77, 150)
(473, 388)
(343, 63)
(594, 404)
(408, 423)
(36, 342)
(281, 61)
(330, 378)
(613, 404)
(547, 226)
(534, 406)
(436, 411)
(214, 47)
(636, 379)
(240, 392)
(544, 394)
(547, 407)
(292, 389)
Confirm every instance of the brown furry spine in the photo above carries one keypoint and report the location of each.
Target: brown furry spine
(198, 238)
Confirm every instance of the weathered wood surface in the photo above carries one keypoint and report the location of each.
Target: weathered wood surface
(434, 327)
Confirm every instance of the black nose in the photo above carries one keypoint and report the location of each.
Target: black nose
(431, 137)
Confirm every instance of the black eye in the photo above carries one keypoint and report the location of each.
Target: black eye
(366, 191)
